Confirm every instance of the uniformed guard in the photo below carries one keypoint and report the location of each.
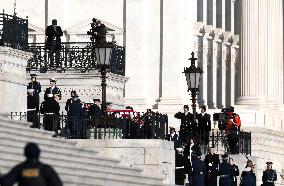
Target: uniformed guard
(236, 172)
(32, 109)
(204, 125)
(198, 169)
(53, 89)
(269, 176)
(50, 108)
(173, 137)
(32, 172)
(76, 115)
(95, 113)
(225, 171)
(186, 129)
(248, 177)
(34, 84)
(180, 167)
(212, 165)
(70, 100)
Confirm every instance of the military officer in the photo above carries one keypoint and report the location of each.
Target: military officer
(34, 84)
(32, 172)
(96, 112)
(180, 167)
(173, 137)
(32, 110)
(269, 176)
(186, 128)
(70, 100)
(236, 172)
(198, 169)
(212, 164)
(204, 125)
(50, 108)
(53, 89)
(225, 172)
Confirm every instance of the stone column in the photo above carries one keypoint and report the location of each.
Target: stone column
(259, 40)
(233, 16)
(13, 90)
(205, 12)
(233, 62)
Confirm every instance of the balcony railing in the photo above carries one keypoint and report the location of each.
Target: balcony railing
(72, 56)
(13, 31)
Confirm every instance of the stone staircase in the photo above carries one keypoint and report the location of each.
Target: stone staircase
(76, 166)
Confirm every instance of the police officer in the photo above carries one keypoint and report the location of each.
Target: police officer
(53, 89)
(198, 169)
(34, 84)
(186, 129)
(32, 172)
(225, 171)
(212, 164)
(50, 108)
(204, 125)
(269, 176)
(248, 177)
(236, 172)
(32, 110)
(180, 167)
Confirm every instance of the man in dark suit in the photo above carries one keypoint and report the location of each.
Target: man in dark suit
(53, 41)
(96, 112)
(269, 176)
(53, 89)
(34, 84)
(212, 164)
(204, 125)
(173, 137)
(32, 109)
(186, 129)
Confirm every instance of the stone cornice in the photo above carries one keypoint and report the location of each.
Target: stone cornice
(15, 53)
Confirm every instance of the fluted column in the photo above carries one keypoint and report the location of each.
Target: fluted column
(225, 59)
(217, 48)
(233, 16)
(198, 48)
(260, 59)
(233, 62)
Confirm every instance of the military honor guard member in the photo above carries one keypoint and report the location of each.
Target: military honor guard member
(32, 109)
(269, 176)
(34, 84)
(180, 167)
(186, 129)
(212, 165)
(53, 89)
(225, 171)
(198, 169)
(248, 177)
(236, 172)
(173, 137)
(204, 125)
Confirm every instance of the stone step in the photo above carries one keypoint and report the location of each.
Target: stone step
(75, 162)
(87, 177)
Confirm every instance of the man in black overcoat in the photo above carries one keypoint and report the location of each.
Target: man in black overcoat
(186, 129)
(269, 176)
(204, 125)
(212, 166)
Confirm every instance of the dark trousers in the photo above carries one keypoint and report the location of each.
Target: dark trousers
(211, 179)
(33, 117)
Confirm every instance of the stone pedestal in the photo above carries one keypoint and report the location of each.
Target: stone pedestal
(13, 90)
(155, 157)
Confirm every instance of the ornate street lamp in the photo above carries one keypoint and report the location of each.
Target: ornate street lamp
(102, 50)
(193, 75)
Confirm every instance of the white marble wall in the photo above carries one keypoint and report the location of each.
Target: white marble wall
(155, 157)
(13, 91)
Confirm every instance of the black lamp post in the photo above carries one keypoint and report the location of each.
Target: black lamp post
(102, 50)
(193, 75)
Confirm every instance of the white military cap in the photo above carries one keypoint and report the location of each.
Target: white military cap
(49, 95)
(31, 90)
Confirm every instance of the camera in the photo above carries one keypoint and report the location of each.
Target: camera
(222, 117)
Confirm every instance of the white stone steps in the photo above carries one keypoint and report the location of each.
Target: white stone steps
(75, 162)
(91, 177)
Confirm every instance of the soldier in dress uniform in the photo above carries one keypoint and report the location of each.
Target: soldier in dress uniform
(32, 109)
(204, 125)
(236, 172)
(269, 176)
(96, 112)
(225, 171)
(248, 177)
(76, 115)
(50, 108)
(212, 165)
(53, 89)
(32, 172)
(34, 84)
(70, 100)
(180, 167)
(186, 129)
(198, 169)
